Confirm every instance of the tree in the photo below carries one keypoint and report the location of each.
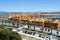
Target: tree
(8, 21)
(9, 35)
(2, 22)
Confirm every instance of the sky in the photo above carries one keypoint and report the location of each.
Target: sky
(29, 5)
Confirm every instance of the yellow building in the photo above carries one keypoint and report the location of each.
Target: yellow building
(35, 17)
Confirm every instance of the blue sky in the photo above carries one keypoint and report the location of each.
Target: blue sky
(29, 5)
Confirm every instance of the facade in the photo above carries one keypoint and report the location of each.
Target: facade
(49, 20)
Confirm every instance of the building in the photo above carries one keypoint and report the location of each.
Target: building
(49, 20)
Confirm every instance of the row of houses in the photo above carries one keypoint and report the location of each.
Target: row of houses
(46, 20)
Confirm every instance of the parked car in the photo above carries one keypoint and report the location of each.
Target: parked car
(39, 35)
(34, 33)
(9, 29)
(18, 29)
(29, 33)
(24, 31)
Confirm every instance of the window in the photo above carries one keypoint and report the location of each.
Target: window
(57, 32)
(45, 29)
(48, 30)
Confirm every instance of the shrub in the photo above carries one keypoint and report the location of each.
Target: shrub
(9, 35)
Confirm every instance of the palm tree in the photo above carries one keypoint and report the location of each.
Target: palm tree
(5, 21)
(34, 27)
(28, 26)
(42, 25)
(2, 21)
(18, 22)
(28, 23)
(33, 24)
(9, 21)
(51, 28)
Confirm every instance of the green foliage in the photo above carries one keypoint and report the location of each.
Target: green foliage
(9, 35)
(13, 26)
(58, 36)
(1, 26)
